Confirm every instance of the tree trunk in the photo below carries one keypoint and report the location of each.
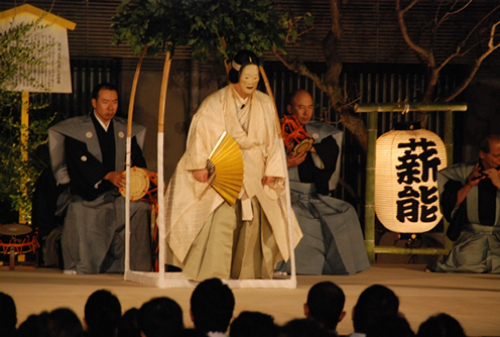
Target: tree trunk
(334, 67)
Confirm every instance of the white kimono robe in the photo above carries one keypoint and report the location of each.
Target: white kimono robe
(189, 202)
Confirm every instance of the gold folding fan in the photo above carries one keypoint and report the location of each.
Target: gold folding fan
(225, 167)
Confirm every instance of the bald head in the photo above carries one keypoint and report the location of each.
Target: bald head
(301, 106)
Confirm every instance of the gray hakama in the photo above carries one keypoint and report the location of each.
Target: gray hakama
(477, 249)
(93, 238)
(333, 241)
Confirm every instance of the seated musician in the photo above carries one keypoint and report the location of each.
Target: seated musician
(469, 200)
(333, 242)
(88, 154)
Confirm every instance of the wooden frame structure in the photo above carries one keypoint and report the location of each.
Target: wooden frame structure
(372, 109)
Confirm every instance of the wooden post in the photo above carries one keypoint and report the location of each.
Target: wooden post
(270, 93)
(25, 122)
(128, 158)
(448, 142)
(161, 184)
(287, 186)
(370, 186)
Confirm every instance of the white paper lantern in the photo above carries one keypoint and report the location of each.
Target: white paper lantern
(406, 190)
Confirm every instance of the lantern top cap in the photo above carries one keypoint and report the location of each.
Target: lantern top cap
(404, 126)
(27, 8)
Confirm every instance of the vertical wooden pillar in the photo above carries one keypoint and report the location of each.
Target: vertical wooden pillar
(370, 186)
(448, 142)
(25, 122)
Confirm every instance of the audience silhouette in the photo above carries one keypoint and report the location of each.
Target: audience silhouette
(375, 314)
(441, 325)
(325, 305)
(8, 315)
(160, 317)
(102, 313)
(212, 305)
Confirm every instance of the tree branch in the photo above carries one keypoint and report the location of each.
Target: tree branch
(478, 25)
(292, 23)
(428, 56)
(336, 27)
(491, 48)
(302, 69)
(448, 14)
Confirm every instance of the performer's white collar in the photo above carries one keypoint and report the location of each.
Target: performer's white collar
(240, 101)
(104, 126)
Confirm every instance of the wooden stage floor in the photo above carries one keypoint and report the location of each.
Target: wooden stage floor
(473, 299)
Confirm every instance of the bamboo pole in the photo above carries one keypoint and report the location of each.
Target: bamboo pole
(370, 187)
(411, 251)
(287, 186)
(448, 142)
(404, 106)
(128, 159)
(25, 121)
(270, 93)
(161, 184)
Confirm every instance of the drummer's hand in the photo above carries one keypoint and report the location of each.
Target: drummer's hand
(201, 175)
(292, 160)
(117, 178)
(268, 180)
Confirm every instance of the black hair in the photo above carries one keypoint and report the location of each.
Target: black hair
(64, 322)
(102, 313)
(34, 326)
(212, 305)
(390, 325)
(128, 325)
(104, 85)
(303, 327)
(326, 301)
(253, 324)
(160, 316)
(484, 145)
(374, 301)
(441, 325)
(8, 314)
(242, 58)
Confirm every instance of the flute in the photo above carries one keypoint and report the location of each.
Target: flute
(482, 174)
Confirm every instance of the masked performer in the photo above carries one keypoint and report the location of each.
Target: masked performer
(206, 236)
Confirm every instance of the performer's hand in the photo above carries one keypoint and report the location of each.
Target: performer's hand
(494, 175)
(292, 160)
(475, 177)
(117, 178)
(201, 175)
(268, 180)
(313, 150)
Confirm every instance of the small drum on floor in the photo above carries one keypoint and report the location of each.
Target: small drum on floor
(15, 230)
(18, 244)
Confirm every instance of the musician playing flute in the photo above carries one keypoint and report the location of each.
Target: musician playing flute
(470, 200)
